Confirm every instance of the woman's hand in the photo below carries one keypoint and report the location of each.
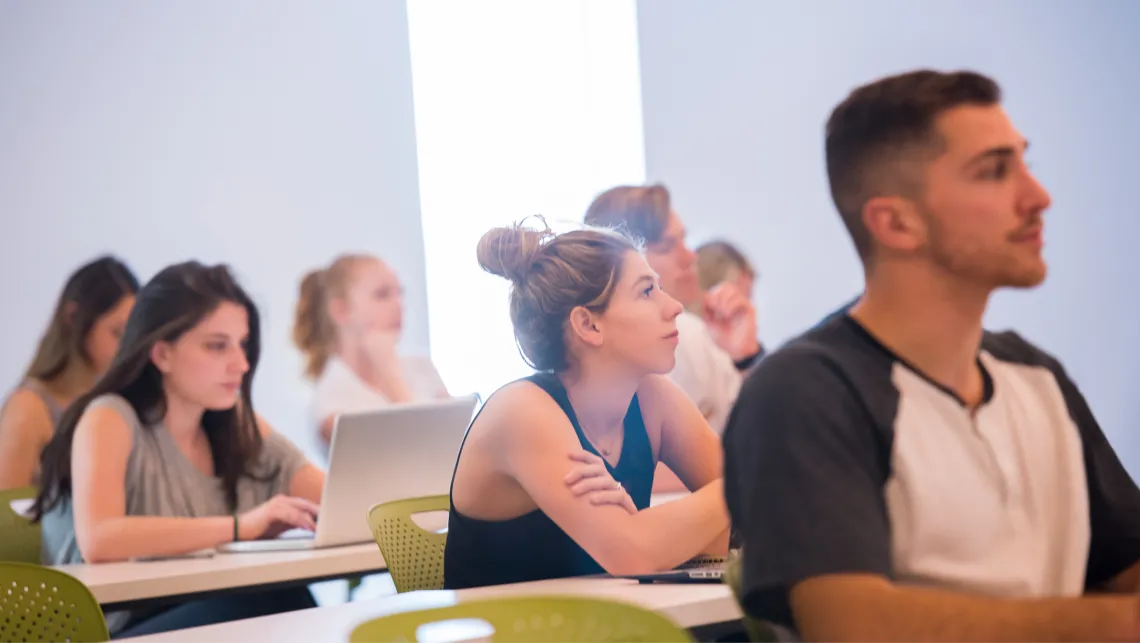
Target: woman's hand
(731, 320)
(592, 479)
(275, 516)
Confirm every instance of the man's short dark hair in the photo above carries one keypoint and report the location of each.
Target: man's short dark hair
(885, 126)
(642, 211)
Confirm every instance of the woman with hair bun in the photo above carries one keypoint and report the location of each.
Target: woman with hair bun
(555, 474)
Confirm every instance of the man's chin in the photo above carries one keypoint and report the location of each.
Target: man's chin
(1027, 278)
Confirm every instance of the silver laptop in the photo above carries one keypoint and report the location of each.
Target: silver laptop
(402, 451)
(702, 569)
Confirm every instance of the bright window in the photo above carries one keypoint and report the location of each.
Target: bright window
(522, 107)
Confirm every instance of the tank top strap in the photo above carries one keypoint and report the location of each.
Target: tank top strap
(553, 386)
(636, 464)
(54, 408)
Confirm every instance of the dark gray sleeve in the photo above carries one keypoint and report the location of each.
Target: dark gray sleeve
(1114, 500)
(805, 469)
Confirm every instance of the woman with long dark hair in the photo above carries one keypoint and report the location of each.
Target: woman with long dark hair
(77, 347)
(165, 456)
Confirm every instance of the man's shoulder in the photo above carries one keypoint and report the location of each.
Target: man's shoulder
(1010, 346)
(837, 345)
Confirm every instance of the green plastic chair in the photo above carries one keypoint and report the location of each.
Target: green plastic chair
(414, 555)
(19, 537)
(43, 604)
(536, 619)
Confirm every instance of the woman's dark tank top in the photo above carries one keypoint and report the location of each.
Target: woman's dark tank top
(532, 546)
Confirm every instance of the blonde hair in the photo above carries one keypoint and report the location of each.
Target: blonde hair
(550, 275)
(314, 333)
(719, 261)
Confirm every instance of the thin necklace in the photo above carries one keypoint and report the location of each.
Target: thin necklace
(598, 445)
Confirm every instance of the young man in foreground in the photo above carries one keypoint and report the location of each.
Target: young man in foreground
(898, 473)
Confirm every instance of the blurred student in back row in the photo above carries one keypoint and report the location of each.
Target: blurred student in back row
(348, 323)
(77, 347)
(721, 262)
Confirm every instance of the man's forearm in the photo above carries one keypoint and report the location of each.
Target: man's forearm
(893, 613)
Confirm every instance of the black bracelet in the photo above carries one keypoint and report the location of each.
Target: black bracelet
(235, 527)
(747, 362)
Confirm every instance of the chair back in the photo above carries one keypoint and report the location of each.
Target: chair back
(535, 619)
(43, 604)
(19, 536)
(414, 555)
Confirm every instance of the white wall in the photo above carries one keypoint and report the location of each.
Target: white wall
(269, 135)
(736, 93)
(540, 113)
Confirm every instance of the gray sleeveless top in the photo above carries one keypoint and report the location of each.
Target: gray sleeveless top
(161, 481)
(54, 408)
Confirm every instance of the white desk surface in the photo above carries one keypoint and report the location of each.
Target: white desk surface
(113, 583)
(688, 605)
(118, 583)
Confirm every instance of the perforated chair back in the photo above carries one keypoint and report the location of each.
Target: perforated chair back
(414, 555)
(43, 604)
(19, 537)
(535, 619)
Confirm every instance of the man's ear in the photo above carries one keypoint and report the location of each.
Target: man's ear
(585, 325)
(895, 224)
(160, 356)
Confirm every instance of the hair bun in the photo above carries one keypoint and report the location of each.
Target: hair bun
(510, 252)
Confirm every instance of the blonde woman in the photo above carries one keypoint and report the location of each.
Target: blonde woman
(347, 325)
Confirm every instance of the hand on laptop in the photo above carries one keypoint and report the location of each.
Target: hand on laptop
(276, 516)
(592, 479)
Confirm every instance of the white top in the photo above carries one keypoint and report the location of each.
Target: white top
(687, 605)
(705, 371)
(340, 390)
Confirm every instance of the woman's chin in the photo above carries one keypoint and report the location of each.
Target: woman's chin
(223, 402)
(666, 366)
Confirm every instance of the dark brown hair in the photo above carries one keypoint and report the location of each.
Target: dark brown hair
(551, 275)
(885, 128)
(313, 331)
(89, 293)
(642, 211)
(171, 303)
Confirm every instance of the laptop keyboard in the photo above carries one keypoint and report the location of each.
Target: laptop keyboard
(702, 561)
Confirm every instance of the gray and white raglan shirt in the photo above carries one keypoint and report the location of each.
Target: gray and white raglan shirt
(842, 458)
